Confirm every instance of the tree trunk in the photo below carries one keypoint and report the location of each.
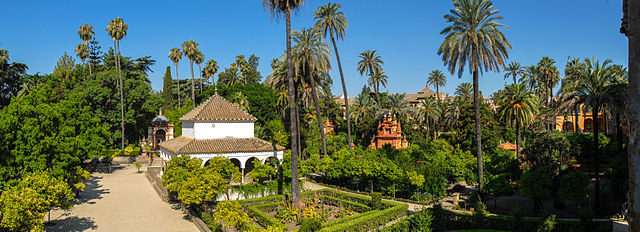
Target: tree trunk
(518, 139)
(193, 87)
(476, 106)
(317, 105)
(632, 11)
(575, 118)
(514, 79)
(177, 77)
(200, 76)
(596, 163)
(437, 93)
(295, 191)
(117, 55)
(344, 90)
(375, 88)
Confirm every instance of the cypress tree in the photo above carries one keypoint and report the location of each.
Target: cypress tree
(167, 90)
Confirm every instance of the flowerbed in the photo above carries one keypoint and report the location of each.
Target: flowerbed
(337, 211)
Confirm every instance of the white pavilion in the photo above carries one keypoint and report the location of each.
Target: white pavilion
(217, 127)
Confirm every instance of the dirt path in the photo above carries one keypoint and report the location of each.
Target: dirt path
(120, 201)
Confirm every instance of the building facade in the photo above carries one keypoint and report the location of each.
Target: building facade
(389, 132)
(219, 128)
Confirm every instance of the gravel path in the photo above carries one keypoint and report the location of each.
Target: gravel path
(120, 201)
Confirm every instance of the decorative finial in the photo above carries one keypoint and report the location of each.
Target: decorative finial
(215, 89)
(160, 111)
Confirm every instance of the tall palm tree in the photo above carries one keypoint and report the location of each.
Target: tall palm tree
(464, 90)
(190, 49)
(117, 29)
(437, 79)
(430, 113)
(369, 62)
(199, 59)
(4, 56)
(279, 7)
(86, 33)
(330, 20)
(473, 39)
(518, 107)
(514, 69)
(210, 69)
(377, 78)
(530, 77)
(175, 55)
(549, 76)
(311, 57)
(596, 89)
(83, 53)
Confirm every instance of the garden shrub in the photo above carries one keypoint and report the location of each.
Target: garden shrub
(479, 215)
(548, 224)
(376, 201)
(420, 221)
(310, 225)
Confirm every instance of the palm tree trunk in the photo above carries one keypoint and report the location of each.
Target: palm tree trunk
(200, 76)
(476, 106)
(378, 93)
(295, 190)
(632, 11)
(575, 118)
(437, 93)
(514, 80)
(116, 44)
(344, 90)
(596, 163)
(518, 139)
(178, 77)
(317, 105)
(193, 87)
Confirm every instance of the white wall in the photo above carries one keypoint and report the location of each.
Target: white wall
(187, 129)
(216, 130)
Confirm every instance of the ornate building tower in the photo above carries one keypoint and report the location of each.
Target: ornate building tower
(159, 131)
(389, 132)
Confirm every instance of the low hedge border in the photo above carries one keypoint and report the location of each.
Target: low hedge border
(428, 202)
(263, 218)
(454, 220)
(370, 221)
(360, 208)
(260, 201)
(345, 219)
(351, 197)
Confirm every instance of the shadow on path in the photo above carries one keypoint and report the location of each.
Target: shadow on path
(92, 191)
(73, 223)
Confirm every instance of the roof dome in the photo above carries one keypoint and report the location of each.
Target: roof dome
(160, 120)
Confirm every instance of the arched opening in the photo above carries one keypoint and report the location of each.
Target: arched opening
(237, 163)
(567, 127)
(588, 125)
(248, 166)
(160, 136)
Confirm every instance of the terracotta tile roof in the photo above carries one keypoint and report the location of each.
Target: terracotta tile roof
(216, 108)
(509, 146)
(185, 145)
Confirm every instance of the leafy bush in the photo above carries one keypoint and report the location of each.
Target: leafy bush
(573, 186)
(370, 221)
(548, 224)
(310, 225)
(420, 221)
(479, 216)
(376, 201)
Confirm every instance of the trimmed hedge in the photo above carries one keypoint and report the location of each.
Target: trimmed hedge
(371, 221)
(263, 218)
(453, 220)
(344, 219)
(360, 208)
(428, 202)
(260, 201)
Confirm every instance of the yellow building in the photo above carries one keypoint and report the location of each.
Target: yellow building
(566, 122)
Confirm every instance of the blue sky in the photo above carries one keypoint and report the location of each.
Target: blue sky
(406, 34)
